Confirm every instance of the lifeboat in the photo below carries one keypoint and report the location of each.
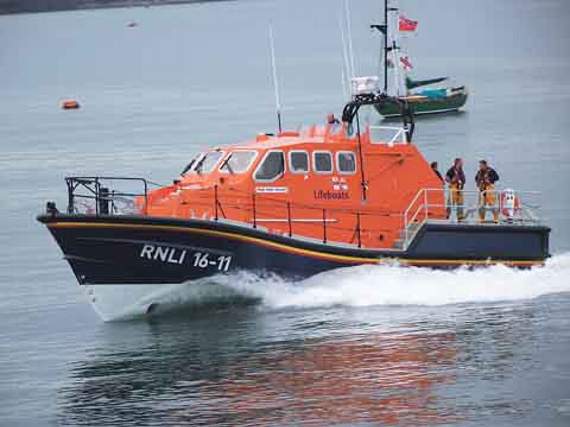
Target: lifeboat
(295, 204)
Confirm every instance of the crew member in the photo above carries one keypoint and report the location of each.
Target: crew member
(436, 171)
(456, 180)
(485, 179)
(332, 120)
(333, 124)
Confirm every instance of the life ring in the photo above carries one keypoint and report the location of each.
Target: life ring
(510, 203)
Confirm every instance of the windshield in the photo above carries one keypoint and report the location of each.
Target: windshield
(238, 161)
(208, 162)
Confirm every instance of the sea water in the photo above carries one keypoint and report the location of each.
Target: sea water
(370, 345)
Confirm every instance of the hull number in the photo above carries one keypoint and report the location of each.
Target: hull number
(205, 260)
(198, 259)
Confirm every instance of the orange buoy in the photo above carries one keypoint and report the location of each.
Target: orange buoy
(70, 104)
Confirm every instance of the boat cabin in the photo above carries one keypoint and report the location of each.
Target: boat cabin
(322, 183)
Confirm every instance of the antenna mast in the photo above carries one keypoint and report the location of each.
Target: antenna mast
(275, 81)
(346, 66)
(352, 71)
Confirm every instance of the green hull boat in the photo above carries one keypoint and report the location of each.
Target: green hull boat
(452, 100)
(420, 96)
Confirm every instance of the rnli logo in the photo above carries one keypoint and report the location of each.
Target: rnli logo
(339, 183)
(339, 190)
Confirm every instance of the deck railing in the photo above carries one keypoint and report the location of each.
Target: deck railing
(490, 207)
(388, 135)
(94, 196)
(263, 211)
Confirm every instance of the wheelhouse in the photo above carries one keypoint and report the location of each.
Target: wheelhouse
(289, 182)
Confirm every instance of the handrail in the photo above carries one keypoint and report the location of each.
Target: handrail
(101, 194)
(518, 212)
(416, 213)
(406, 222)
(334, 221)
(400, 135)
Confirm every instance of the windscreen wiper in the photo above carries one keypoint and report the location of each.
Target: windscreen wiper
(188, 166)
(226, 163)
(198, 167)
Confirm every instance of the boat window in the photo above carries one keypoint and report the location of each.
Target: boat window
(272, 167)
(208, 162)
(238, 161)
(298, 161)
(346, 162)
(322, 162)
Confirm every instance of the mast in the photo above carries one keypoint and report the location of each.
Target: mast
(352, 70)
(396, 52)
(345, 72)
(383, 29)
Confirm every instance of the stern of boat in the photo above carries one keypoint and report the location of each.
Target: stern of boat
(510, 232)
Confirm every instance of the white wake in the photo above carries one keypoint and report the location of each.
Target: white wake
(357, 287)
(393, 285)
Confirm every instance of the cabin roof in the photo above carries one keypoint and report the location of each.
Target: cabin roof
(320, 136)
(274, 142)
(312, 135)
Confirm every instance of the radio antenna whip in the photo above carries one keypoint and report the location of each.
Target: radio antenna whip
(275, 81)
(345, 71)
(352, 70)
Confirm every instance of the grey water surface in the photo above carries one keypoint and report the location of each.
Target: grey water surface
(366, 346)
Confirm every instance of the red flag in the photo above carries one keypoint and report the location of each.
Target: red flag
(406, 63)
(405, 24)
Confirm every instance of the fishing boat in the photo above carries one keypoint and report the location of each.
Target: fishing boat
(422, 96)
(428, 100)
(294, 203)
